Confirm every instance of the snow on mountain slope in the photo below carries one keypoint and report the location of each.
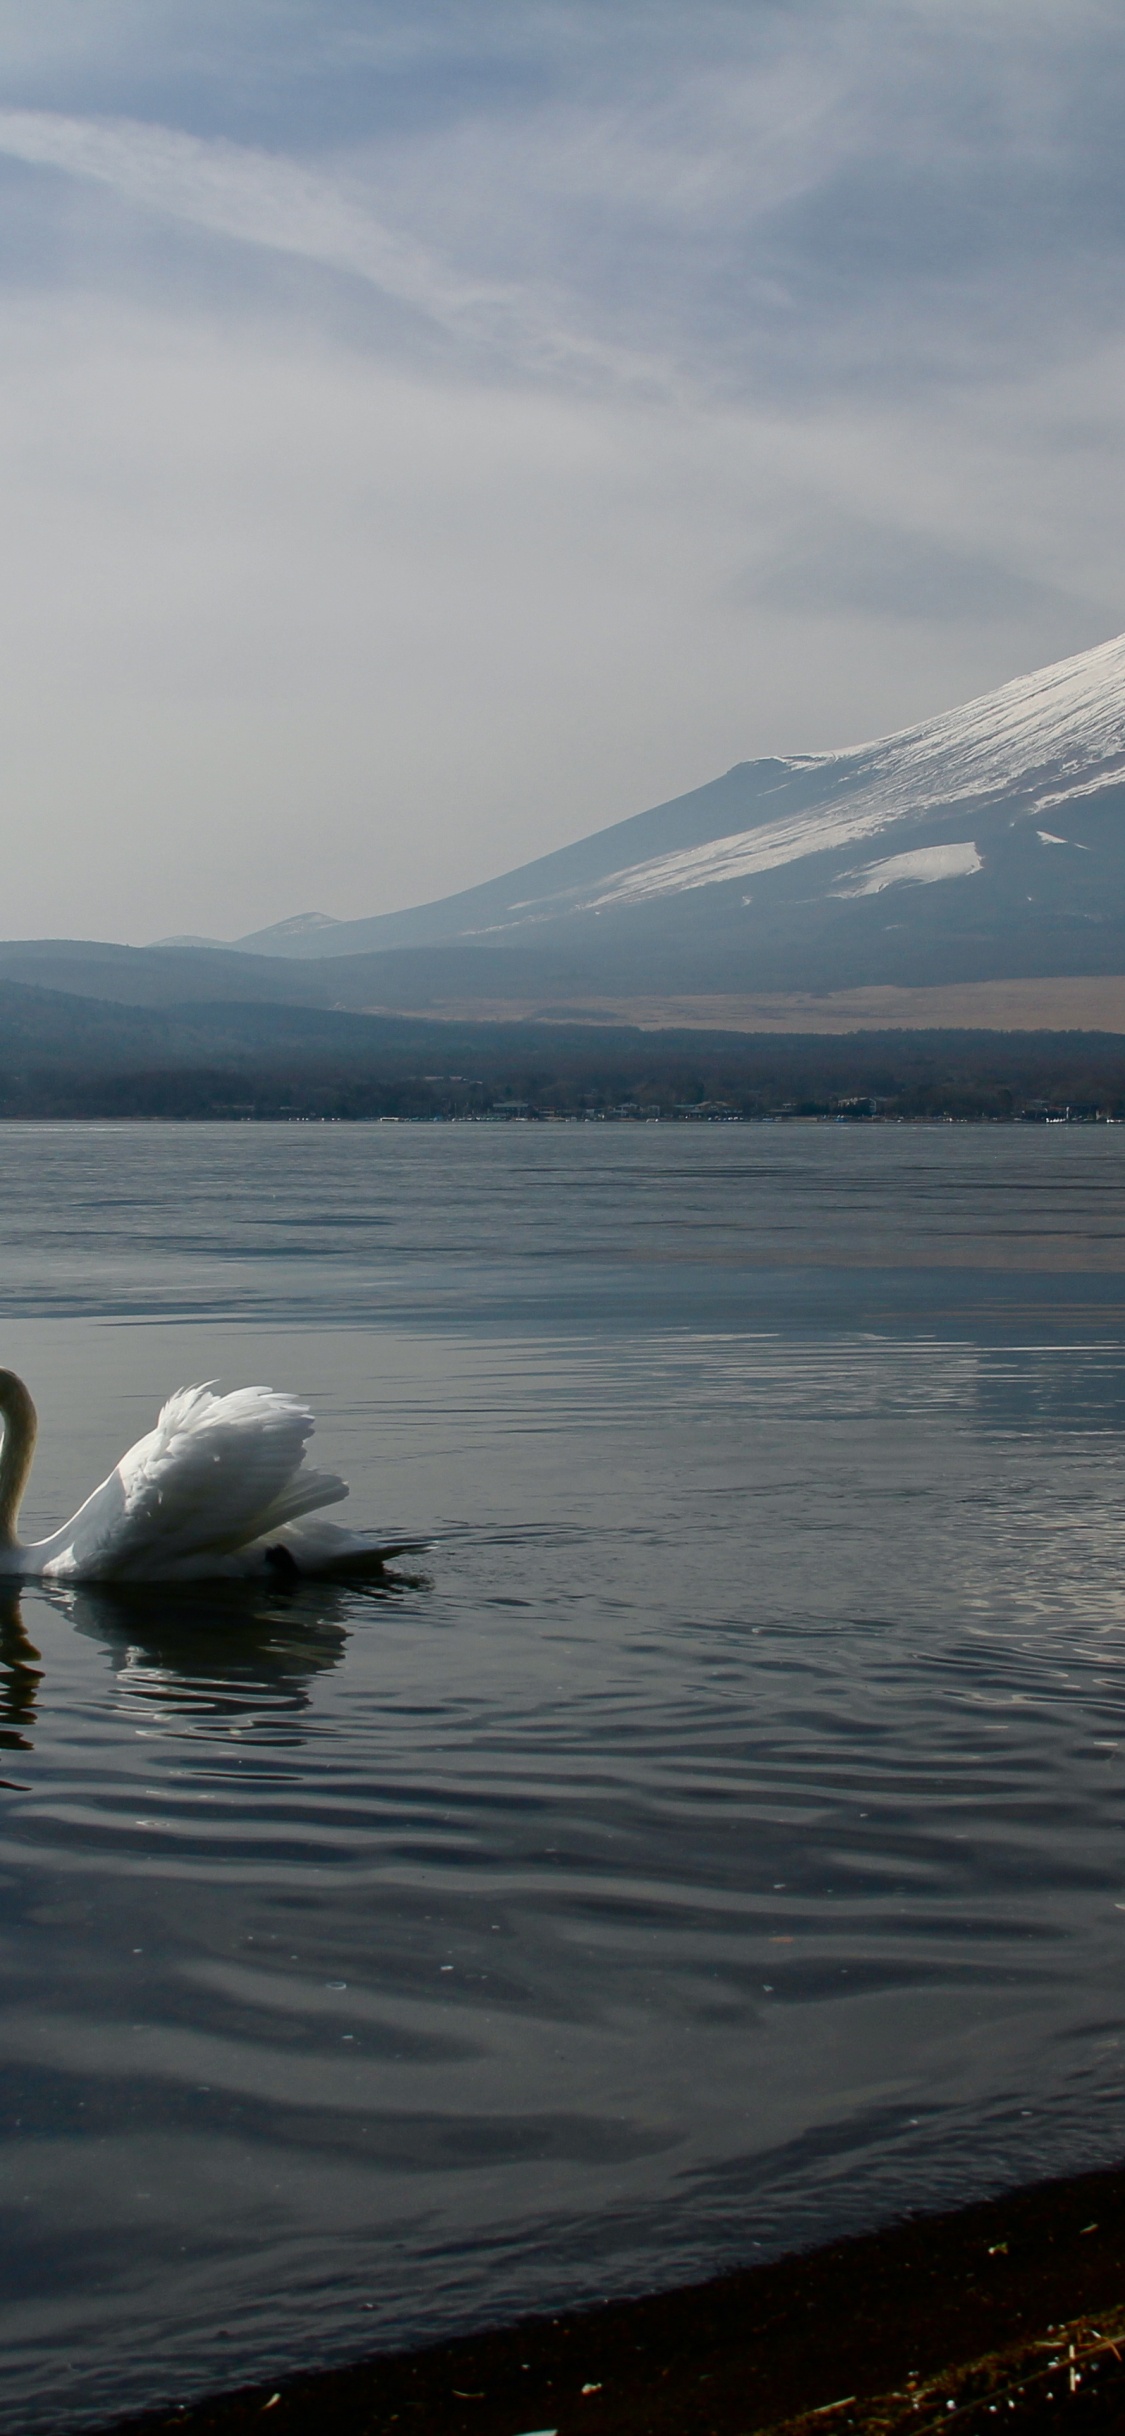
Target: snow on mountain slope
(921, 868)
(1068, 718)
(1065, 726)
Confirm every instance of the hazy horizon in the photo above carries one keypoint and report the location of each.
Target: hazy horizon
(433, 434)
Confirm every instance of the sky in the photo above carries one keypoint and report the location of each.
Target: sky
(431, 430)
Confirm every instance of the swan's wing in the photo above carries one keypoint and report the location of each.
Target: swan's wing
(214, 1474)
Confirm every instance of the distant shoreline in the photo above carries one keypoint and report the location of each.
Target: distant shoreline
(548, 1075)
(551, 1116)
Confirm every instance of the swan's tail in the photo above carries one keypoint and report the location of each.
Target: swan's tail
(331, 1554)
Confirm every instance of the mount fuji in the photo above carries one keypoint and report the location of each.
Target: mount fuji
(987, 843)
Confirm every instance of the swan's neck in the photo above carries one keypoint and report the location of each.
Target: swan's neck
(17, 1412)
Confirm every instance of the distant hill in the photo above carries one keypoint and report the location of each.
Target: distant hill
(158, 976)
(66, 1056)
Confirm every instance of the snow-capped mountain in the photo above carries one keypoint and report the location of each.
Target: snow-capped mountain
(986, 842)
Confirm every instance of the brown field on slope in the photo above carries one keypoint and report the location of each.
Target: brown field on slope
(1086, 1003)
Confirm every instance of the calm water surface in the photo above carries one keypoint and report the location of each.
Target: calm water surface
(722, 1847)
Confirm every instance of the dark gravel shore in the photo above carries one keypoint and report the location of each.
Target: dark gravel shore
(1013, 2311)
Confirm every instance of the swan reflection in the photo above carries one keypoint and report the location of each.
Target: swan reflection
(21, 1673)
(219, 1651)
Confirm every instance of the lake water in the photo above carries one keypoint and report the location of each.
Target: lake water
(723, 1845)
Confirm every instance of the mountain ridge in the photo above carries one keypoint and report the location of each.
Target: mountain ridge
(986, 842)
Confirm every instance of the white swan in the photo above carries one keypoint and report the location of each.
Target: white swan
(215, 1491)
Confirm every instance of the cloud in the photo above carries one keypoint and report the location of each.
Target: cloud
(842, 564)
(234, 191)
(778, 200)
(767, 198)
(237, 193)
(795, 198)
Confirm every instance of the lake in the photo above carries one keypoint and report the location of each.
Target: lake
(715, 1847)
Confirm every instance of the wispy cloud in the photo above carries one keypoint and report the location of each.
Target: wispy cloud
(259, 199)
